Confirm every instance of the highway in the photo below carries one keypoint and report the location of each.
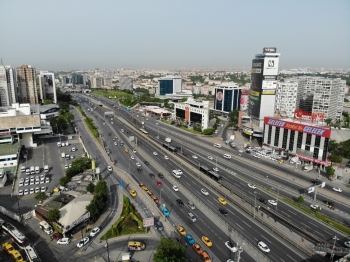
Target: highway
(250, 231)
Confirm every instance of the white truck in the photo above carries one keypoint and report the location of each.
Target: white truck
(168, 139)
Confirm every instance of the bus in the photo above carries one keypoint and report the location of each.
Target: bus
(144, 131)
(136, 246)
(32, 255)
(210, 173)
(13, 232)
(170, 148)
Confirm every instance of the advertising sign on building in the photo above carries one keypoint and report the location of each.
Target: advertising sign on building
(269, 50)
(270, 66)
(268, 84)
(187, 113)
(308, 116)
(48, 86)
(76, 222)
(219, 97)
(255, 87)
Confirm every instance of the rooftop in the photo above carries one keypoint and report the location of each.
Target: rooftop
(9, 149)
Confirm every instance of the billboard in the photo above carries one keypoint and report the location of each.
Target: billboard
(219, 97)
(187, 113)
(308, 116)
(269, 50)
(48, 87)
(255, 87)
(313, 130)
(270, 66)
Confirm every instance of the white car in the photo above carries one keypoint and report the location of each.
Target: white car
(230, 246)
(315, 207)
(210, 157)
(43, 189)
(109, 168)
(256, 156)
(216, 169)
(240, 151)
(204, 192)
(83, 242)
(134, 151)
(175, 188)
(115, 143)
(138, 164)
(155, 153)
(65, 166)
(337, 189)
(20, 192)
(347, 243)
(194, 156)
(31, 191)
(21, 180)
(166, 157)
(252, 186)
(26, 192)
(217, 145)
(73, 149)
(47, 180)
(132, 157)
(63, 241)
(26, 183)
(95, 231)
(21, 183)
(272, 202)
(263, 247)
(37, 190)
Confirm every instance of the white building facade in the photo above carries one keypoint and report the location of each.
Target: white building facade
(169, 85)
(286, 97)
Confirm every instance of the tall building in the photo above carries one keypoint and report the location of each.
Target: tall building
(47, 86)
(26, 80)
(286, 97)
(263, 85)
(125, 83)
(8, 86)
(322, 96)
(169, 85)
(227, 98)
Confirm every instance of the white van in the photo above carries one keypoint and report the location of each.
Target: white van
(46, 227)
(32, 170)
(177, 173)
(37, 170)
(46, 168)
(63, 155)
(192, 217)
(227, 156)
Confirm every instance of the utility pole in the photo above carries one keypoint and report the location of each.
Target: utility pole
(332, 255)
(107, 250)
(254, 202)
(238, 253)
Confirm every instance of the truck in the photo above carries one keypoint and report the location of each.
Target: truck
(168, 139)
(308, 168)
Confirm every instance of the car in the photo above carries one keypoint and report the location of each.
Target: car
(204, 192)
(263, 247)
(21, 179)
(63, 241)
(165, 211)
(142, 186)
(146, 163)
(115, 143)
(175, 188)
(316, 181)
(47, 180)
(37, 182)
(121, 143)
(222, 201)
(159, 183)
(347, 243)
(217, 145)
(25, 192)
(31, 191)
(73, 149)
(231, 246)
(180, 202)
(197, 248)
(26, 183)
(181, 230)
(216, 169)
(272, 202)
(315, 207)
(21, 183)
(43, 189)
(205, 256)
(155, 153)
(262, 200)
(132, 157)
(189, 239)
(133, 193)
(159, 225)
(155, 199)
(337, 189)
(151, 175)
(160, 175)
(37, 178)
(206, 240)
(70, 165)
(256, 156)
(20, 192)
(195, 157)
(138, 164)
(95, 231)
(139, 170)
(166, 157)
(134, 151)
(210, 157)
(37, 190)
(109, 168)
(223, 211)
(83, 242)
(329, 204)
(57, 236)
(252, 186)
(65, 166)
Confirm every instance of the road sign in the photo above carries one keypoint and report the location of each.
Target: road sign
(311, 189)
(323, 184)
(121, 183)
(148, 222)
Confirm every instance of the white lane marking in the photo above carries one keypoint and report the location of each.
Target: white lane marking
(246, 223)
(267, 240)
(240, 226)
(291, 258)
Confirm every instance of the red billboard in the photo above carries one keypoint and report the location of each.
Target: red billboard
(308, 116)
(313, 130)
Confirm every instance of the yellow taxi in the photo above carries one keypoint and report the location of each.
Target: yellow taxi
(126, 150)
(222, 200)
(133, 193)
(116, 137)
(181, 230)
(8, 248)
(281, 161)
(206, 240)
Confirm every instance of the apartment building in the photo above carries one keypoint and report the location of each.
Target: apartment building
(286, 97)
(8, 86)
(26, 80)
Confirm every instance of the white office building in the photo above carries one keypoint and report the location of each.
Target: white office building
(8, 86)
(47, 86)
(286, 97)
(169, 85)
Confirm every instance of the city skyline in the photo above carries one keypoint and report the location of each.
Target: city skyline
(158, 35)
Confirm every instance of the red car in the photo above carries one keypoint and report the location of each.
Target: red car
(159, 183)
(57, 236)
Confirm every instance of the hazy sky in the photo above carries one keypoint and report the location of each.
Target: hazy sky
(202, 34)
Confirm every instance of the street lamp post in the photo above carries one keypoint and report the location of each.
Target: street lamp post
(278, 193)
(160, 195)
(254, 202)
(332, 255)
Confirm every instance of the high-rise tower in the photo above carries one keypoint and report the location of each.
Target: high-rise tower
(26, 79)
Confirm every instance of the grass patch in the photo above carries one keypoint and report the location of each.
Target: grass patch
(89, 122)
(320, 216)
(130, 222)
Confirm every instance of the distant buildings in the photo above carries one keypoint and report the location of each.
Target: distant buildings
(26, 80)
(47, 86)
(5, 91)
(125, 83)
(227, 98)
(169, 85)
(286, 97)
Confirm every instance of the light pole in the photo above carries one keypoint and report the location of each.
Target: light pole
(157, 129)
(278, 193)
(332, 255)
(254, 202)
(160, 195)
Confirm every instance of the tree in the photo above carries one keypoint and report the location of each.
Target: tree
(90, 187)
(332, 145)
(328, 121)
(64, 180)
(346, 100)
(48, 102)
(54, 215)
(336, 158)
(101, 188)
(233, 116)
(40, 196)
(208, 131)
(330, 171)
(300, 199)
(169, 250)
(183, 99)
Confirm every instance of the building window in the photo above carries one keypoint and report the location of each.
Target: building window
(277, 135)
(325, 149)
(269, 135)
(285, 137)
(308, 139)
(165, 87)
(300, 139)
(317, 141)
(315, 155)
(291, 140)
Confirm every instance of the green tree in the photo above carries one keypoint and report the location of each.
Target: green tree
(233, 116)
(40, 196)
(336, 158)
(300, 199)
(90, 187)
(183, 99)
(54, 215)
(48, 102)
(328, 121)
(346, 100)
(208, 131)
(332, 145)
(69, 117)
(101, 187)
(169, 250)
(64, 180)
(330, 171)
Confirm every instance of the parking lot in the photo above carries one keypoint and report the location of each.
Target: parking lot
(45, 165)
